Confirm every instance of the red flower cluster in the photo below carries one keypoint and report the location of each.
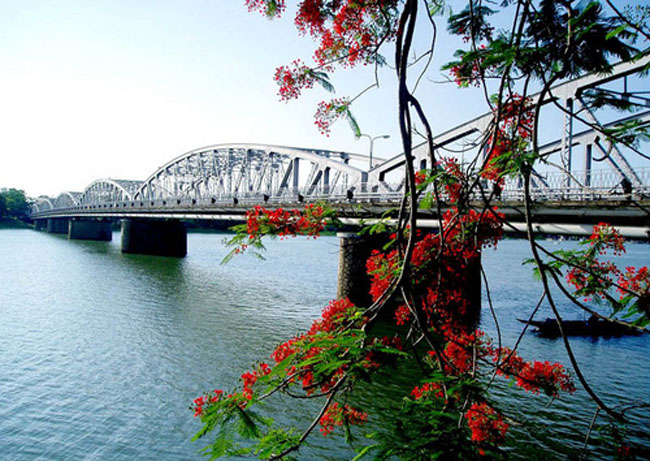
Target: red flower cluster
(513, 132)
(454, 178)
(440, 266)
(635, 280)
(293, 79)
(486, 228)
(607, 238)
(428, 389)
(591, 277)
(329, 112)
(461, 350)
(334, 316)
(285, 223)
(487, 424)
(349, 31)
(336, 416)
(402, 313)
(204, 400)
(250, 378)
(464, 76)
(594, 278)
(468, 73)
(551, 378)
(268, 8)
(420, 177)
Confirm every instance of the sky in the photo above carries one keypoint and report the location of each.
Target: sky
(116, 88)
(96, 89)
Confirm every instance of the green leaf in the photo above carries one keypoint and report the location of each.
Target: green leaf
(615, 32)
(323, 80)
(353, 122)
(364, 451)
(220, 446)
(427, 201)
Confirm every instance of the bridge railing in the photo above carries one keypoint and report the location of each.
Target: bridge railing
(550, 186)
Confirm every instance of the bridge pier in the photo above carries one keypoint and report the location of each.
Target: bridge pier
(40, 224)
(90, 229)
(57, 225)
(154, 237)
(354, 281)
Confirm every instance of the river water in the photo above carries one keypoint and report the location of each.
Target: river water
(101, 353)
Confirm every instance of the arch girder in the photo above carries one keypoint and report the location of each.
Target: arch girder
(108, 191)
(240, 170)
(67, 199)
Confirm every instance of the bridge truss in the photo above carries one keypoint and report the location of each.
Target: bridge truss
(227, 176)
(569, 157)
(240, 171)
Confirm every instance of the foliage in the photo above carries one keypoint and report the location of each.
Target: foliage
(13, 204)
(279, 222)
(422, 281)
(3, 206)
(627, 292)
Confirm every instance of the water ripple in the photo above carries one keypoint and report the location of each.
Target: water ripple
(101, 353)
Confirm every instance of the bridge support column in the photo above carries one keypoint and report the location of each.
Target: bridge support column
(353, 279)
(354, 282)
(40, 224)
(90, 229)
(57, 225)
(154, 237)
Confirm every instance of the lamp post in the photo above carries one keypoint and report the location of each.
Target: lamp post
(372, 142)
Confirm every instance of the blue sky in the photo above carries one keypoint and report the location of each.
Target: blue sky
(94, 89)
(116, 88)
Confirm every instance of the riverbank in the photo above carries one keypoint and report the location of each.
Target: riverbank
(14, 224)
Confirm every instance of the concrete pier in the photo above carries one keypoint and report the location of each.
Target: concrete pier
(154, 237)
(40, 224)
(90, 229)
(57, 225)
(353, 280)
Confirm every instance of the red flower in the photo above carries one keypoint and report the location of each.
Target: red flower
(486, 424)
(336, 416)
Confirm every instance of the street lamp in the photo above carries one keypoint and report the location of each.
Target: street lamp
(372, 141)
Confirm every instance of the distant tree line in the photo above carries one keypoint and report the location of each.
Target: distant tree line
(13, 204)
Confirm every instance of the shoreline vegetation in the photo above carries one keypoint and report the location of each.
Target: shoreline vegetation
(14, 224)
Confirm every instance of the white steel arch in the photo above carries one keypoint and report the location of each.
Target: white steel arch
(247, 170)
(43, 203)
(67, 200)
(108, 191)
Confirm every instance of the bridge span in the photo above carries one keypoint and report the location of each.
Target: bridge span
(585, 178)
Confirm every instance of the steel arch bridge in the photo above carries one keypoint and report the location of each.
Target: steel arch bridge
(228, 178)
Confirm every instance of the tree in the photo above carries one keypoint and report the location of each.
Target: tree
(15, 203)
(420, 280)
(3, 206)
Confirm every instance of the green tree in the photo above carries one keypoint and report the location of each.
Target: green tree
(16, 204)
(3, 206)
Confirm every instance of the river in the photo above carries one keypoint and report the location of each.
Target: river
(101, 353)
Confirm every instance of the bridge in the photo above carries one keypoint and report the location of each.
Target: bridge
(221, 182)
